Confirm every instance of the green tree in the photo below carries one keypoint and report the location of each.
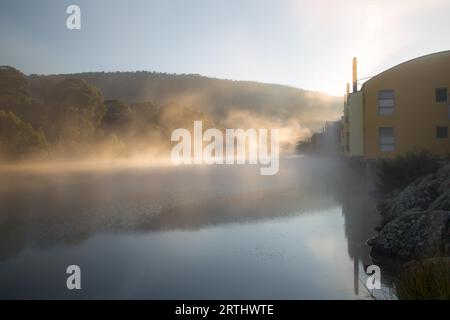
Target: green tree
(18, 139)
(117, 113)
(72, 109)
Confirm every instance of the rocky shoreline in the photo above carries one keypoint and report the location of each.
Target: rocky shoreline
(415, 220)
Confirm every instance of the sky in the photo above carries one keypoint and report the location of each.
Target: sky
(306, 44)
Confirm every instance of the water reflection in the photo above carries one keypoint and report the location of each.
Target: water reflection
(45, 212)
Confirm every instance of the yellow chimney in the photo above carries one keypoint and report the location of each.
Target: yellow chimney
(355, 74)
(348, 92)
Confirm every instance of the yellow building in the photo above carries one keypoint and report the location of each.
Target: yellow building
(405, 108)
(353, 125)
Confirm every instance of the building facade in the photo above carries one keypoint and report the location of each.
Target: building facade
(354, 125)
(405, 108)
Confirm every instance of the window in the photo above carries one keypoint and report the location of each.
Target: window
(386, 99)
(442, 132)
(387, 139)
(441, 95)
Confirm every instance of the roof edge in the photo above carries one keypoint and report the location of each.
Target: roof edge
(405, 62)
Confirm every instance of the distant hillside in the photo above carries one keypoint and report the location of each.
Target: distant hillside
(126, 114)
(227, 102)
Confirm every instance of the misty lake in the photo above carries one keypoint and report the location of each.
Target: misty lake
(191, 232)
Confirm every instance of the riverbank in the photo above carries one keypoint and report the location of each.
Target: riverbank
(415, 220)
(415, 227)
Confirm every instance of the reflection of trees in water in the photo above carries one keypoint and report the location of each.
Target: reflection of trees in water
(12, 225)
(350, 186)
(37, 213)
(45, 211)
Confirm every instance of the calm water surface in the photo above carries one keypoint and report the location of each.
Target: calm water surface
(221, 232)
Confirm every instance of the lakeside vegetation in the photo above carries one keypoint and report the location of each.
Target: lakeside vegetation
(121, 114)
(424, 280)
(400, 171)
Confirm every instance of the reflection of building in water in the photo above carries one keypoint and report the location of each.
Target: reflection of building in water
(351, 187)
(359, 210)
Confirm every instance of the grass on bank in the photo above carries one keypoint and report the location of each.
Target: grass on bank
(425, 280)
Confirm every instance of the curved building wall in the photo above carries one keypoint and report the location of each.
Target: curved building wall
(404, 108)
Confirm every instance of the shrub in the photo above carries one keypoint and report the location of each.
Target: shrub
(400, 171)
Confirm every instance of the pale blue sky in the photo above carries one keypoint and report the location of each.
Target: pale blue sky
(307, 44)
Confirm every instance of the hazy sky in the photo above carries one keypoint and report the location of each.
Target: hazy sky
(307, 44)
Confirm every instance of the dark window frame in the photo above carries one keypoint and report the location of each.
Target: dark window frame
(441, 132)
(441, 94)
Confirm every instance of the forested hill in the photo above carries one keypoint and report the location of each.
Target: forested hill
(130, 113)
(220, 99)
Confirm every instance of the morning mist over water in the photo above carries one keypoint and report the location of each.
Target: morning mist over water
(218, 158)
(188, 232)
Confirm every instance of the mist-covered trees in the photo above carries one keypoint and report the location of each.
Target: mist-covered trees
(61, 113)
(117, 114)
(13, 96)
(219, 99)
(70, 109)
(68, 114)
(19, 139)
